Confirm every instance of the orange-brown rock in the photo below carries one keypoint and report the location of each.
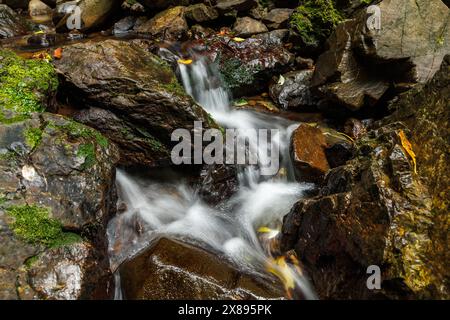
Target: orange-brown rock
(308, 154)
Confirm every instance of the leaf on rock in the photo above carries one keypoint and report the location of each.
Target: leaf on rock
(408, 148)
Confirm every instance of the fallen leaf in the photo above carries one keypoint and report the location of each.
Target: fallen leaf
(408, 148)
(281, 81)
(237, 39)
(186, 62)
(58, 53)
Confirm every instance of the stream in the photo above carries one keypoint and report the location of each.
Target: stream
(172, 208)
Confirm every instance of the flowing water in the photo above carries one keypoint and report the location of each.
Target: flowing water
(173, 208)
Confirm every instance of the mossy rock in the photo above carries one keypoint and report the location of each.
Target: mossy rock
(314, 21)
(26, 86)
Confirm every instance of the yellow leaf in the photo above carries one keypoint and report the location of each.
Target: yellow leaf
(237, 39)
(39, 32)
(408, 148)
(182, 61)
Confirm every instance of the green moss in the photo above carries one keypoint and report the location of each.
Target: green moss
(235, 74)
(87, 151)
(79, 130)
(33, 137)
(31, 261)
(314, 20)
(33, 225)
(24, 84)
(175, 87)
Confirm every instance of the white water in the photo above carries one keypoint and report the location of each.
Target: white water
(175, 209)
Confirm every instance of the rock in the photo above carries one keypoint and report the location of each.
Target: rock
(218, 183)
(136, 147)
(167, 25)
(201, 13)
(38, 8)
(293, 90)
(56, 183)
(277, 18)
(378, 210)
(195, 273)
(397, 53)
(341, 79)
(164, 4)
(245, 66)
(413, 38)
(139, 91)
(339, 153)
(16, 4)
(93, 14)
(354, 128)
(238, 5)
(304, 63)
(308, 154)
(275, 37)
(11, 24)
(66, 273)
(246, 27)
(124, 25)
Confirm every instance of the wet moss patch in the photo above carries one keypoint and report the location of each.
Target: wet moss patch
(25, 85)
(314, 20)
(33, 225)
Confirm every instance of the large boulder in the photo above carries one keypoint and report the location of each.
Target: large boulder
(57, 193)
(11, 24)
(246, 66)
(92, 13)
(363, 60)
(172, 270)
(387, 207)
(143, 100)
(167, 25)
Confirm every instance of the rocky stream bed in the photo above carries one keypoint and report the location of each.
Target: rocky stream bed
(91, 206)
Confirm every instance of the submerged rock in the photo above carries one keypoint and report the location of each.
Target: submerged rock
(172, 270)
(382, 209)
(143, 98)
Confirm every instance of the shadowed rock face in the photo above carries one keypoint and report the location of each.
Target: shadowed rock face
(139, 95)
(64, 172)
(376, 210)
(11, 24)
(362, 63)
(172, 270)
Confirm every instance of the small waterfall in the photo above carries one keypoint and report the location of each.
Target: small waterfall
(175, 209)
